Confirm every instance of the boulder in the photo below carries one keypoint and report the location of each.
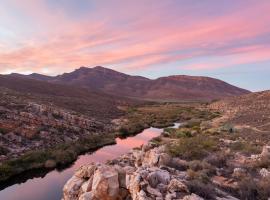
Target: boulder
(87, 196)
(156, 157)
(264, 173)
(239, 173)
(72, 188)
(105, 183)
(133, 185)
(265, 152)
(177, 186)
(86, 171)
(158, 176)
(193, 197)
(153, 191)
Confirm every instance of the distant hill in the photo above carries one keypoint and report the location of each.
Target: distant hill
(91, 103)
(171, 88)
(251, 109)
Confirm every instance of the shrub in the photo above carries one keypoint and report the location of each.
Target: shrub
(218, 159)
(245, 147)
(3, 150)
(206, 191)
(193, 148)
(4, 130)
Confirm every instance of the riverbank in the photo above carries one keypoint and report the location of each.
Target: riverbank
(135, 120)
(200, 160)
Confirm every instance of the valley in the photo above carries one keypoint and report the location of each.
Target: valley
(220, 151)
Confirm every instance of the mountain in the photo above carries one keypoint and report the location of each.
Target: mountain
(94, 104)
(171, 88)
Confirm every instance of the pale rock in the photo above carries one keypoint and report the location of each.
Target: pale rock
(153, 191)
(177, 186)
(264, 173)
(193, 197)
(265, 152)
(105, 183)
(133, 184)
(86, 171)
(87, 196)
(239, 173)
(72, 188)
(87, 186)
(170, 196)
(121, 176)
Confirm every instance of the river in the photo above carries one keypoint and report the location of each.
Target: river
(48, 186)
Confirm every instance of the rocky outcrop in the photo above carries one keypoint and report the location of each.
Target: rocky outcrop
(144, 177)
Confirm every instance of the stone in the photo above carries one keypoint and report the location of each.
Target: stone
(264, 173)
(239, 173)
(153, 191)
(121, 176)
(86, 171)
(87, 196)
(133, 184)
(265, 152)
(177, 186)
(170, 196)
(72, 188)
(153, 179)
(193, 197)
(87, 186)
(105, 183)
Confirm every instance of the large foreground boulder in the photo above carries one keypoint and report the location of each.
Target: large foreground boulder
(105, 183)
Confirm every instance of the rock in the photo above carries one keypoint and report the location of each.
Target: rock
(156, 157)
(159, 176)
(193, 197)
(86, 171)
(72, 188)
(162, 188)
(265, 152)
(50, 164)
(87, 186)
(170, 196)
(153, 191)
(239, 173)
(225, 183)
(264, 173)
(87, 196)
(105, 183)
(121, 176)
(133, 184)
(177, 186)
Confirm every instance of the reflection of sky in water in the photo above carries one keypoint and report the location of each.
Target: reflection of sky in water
(50, 187)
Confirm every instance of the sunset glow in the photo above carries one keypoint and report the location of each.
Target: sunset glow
(225, 39)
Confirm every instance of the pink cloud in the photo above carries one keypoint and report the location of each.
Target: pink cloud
(61, 42)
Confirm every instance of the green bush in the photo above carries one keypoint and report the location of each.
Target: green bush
(245, 147)
(193, 148)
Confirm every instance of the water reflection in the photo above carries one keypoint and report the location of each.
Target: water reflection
(49, 185)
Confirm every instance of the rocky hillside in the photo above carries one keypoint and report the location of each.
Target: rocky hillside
(172, 88)
(92, 103)
(199, 160)
(252, 110)
(27, 125)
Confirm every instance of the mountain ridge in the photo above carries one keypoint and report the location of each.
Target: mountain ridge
(169, 88)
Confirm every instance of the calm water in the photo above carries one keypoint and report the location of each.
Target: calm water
(49, 186)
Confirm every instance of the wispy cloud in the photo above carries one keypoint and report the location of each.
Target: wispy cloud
(41, 35)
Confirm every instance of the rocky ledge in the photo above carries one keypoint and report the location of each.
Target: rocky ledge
(142, 174)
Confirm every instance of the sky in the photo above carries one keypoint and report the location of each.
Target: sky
(225, 39)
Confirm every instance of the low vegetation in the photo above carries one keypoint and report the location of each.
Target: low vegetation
(56, 157)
